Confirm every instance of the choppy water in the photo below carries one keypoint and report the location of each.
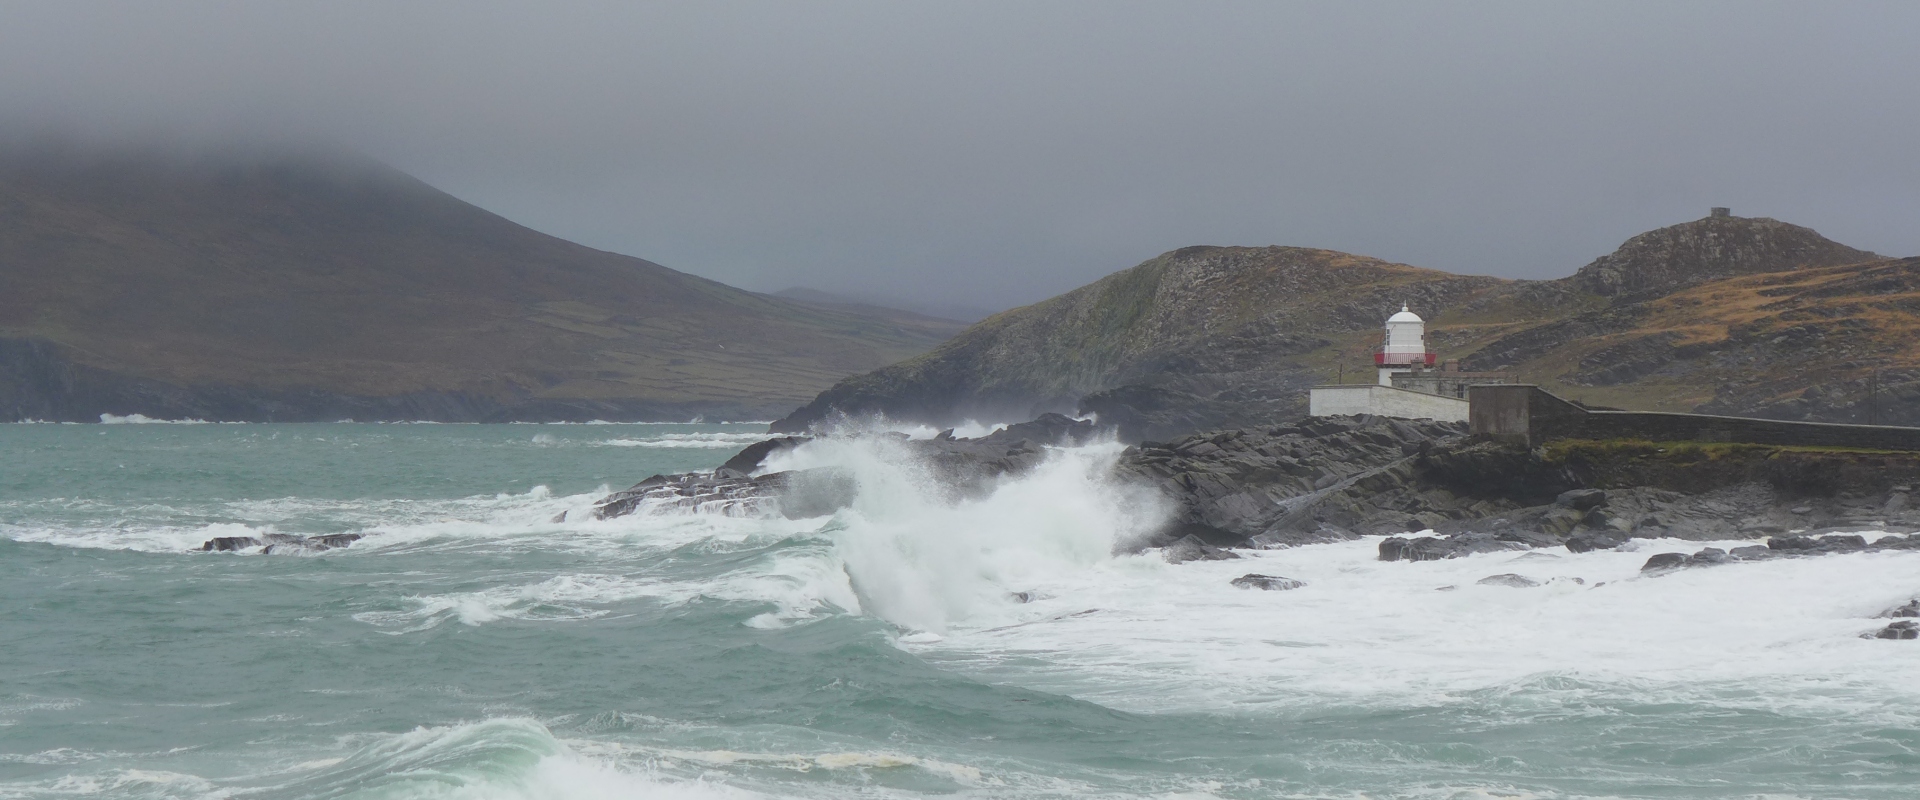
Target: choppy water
(471, 648)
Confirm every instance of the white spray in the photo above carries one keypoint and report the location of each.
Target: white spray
(924, 561)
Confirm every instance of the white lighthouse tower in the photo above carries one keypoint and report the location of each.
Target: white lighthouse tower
(1405, 347)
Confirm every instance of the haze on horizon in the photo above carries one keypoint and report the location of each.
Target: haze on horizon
(985, 155)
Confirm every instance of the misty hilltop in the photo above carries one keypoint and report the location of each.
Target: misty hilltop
(1725, 314)
(328, 287)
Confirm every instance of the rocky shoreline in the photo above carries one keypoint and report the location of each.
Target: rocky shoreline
(1431, 489)
(1434, 491)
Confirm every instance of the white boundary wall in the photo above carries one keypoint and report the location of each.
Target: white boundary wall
(1384, 401)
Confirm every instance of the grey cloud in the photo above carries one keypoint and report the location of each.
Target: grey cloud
(989, 154)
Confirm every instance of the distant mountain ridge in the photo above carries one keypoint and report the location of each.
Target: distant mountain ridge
(319, 288)
(1730, 314)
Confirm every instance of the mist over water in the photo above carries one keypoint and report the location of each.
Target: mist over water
(915, 644)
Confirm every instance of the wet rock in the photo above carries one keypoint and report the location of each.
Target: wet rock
(1271, 583)
(279, 543)
(1904, 629)
(1589, 541)
(1434, 548)
(1823, 544)
(1707, 556)
(1508, 579)
(795, 495)
(1581, 499)
(1193, 548)
(229, 544)
(1664, 561)
(1752, 552)
(1910, 609)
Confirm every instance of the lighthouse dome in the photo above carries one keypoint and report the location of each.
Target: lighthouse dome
(1405, 315)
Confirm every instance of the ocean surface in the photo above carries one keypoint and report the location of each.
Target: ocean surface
(472, 647)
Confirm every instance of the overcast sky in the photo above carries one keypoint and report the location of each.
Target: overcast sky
(989, 154)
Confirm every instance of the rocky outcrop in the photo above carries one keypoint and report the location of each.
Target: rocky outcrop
(1269, 583)
(1432, 490)
(1660, 261)
(1193, 548)
(279, 543)
(1796, 546)
(963, 467)
(1317, 480)
(1905, 629)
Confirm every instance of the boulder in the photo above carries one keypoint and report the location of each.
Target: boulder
(1589, 541)
(1818, 544)
(1271, 583)
(1434, 548)
(279, 543)
(1910, 609)
(1581, 500)
(1193, 548)
(1664, 561)
(1508, 579)
(1904, 629)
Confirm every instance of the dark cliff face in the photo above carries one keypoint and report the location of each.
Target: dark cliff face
(1660, 261)
(261, 278)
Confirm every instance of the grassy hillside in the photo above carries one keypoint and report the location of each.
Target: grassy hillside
(1729, 314)
(1202, 335)
(282, 278)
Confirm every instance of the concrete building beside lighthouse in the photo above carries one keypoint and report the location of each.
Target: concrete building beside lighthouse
(1412, 382)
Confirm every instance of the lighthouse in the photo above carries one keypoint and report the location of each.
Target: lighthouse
(1405, 348)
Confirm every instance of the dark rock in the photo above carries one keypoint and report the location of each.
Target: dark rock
(1910, 609)
(1904, 629)
(796, 495)
(1434, 548)
(1752, 552)
(1843, 543)
(1581, 499)
(1271, 583)
(755, 455)
(1588, 541)
(1508, 579)
(229, 544)
(1824, 544)
(280, 543)
(1710, 555)
(1192, 548)
(1664, 561)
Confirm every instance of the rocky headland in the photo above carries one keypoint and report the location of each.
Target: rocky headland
(1431, 489)
(1728, 315)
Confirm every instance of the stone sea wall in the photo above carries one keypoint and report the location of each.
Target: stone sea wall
(1530, 415)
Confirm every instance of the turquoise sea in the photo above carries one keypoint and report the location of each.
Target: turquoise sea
(472, 647)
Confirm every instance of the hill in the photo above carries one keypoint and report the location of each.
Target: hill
(1724, 314)
(1198, 337)
(309, 287)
